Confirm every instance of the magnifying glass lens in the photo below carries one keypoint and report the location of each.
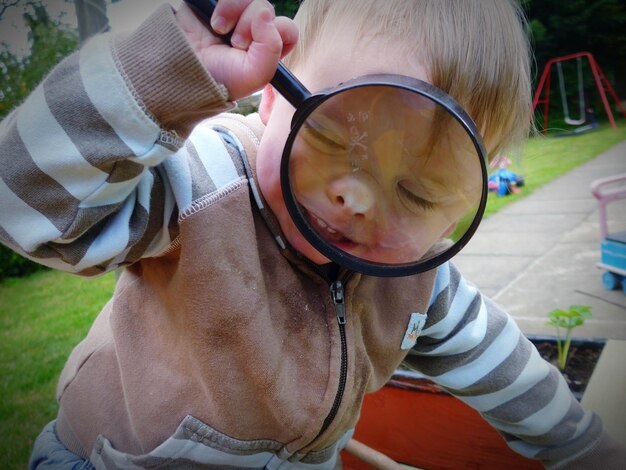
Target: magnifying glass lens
(384, 176)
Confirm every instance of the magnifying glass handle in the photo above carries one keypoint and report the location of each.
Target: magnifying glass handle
(284, 81)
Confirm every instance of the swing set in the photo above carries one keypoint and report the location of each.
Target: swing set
(585, 114)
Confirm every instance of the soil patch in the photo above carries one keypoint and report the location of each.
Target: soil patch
(583, 357)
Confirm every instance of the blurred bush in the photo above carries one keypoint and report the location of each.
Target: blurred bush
(14, 265)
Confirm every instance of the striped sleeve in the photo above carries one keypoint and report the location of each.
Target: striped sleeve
(473, 349)
(83, 185)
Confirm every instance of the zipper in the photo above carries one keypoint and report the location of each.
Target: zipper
(337, 294)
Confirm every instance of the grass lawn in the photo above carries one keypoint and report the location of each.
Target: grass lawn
(546, 158)
(44, 316)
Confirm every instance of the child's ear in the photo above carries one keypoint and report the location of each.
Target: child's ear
(267, 103)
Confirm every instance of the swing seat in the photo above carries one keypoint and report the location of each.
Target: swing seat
(574, 122)
(581, 96)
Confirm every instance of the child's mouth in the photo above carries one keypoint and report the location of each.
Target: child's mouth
(335, 237)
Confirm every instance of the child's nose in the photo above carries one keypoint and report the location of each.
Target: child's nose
(354, 196)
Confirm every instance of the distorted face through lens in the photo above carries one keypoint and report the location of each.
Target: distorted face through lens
(385, 174)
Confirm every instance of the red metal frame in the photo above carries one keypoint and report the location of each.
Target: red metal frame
(601, 82)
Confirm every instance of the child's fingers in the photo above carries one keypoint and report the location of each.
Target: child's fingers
(288, 32)
(266, 47)
(227, 14)
(236, 16)
(242, 34)
(259, 40)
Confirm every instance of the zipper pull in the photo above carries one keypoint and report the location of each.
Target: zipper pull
(336, 292)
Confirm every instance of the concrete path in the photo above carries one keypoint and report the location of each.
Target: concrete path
(607, 388)
(540, 253)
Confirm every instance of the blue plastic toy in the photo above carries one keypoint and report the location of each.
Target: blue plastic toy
(504, 182)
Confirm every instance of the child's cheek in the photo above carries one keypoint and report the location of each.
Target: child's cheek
(449, 231)
(298, 242)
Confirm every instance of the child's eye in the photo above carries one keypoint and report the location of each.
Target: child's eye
(324, 140)
(413, 201)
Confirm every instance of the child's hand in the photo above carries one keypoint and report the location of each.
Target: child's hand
(259, 41)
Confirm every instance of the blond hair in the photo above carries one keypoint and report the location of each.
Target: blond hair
(477, 51)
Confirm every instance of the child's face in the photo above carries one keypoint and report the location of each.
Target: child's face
(382, 194)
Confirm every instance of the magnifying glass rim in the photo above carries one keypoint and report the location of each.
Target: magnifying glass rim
(343, 258)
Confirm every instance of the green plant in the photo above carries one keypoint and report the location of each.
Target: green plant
(567, 320)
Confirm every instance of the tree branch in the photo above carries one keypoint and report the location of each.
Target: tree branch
(6, 4)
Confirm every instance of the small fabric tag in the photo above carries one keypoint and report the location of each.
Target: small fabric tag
(416, 323)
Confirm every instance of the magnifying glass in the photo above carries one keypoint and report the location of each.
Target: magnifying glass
(384, 174)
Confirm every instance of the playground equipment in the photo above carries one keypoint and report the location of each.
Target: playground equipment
(613, 245)
(542, 94)
(581, 94)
